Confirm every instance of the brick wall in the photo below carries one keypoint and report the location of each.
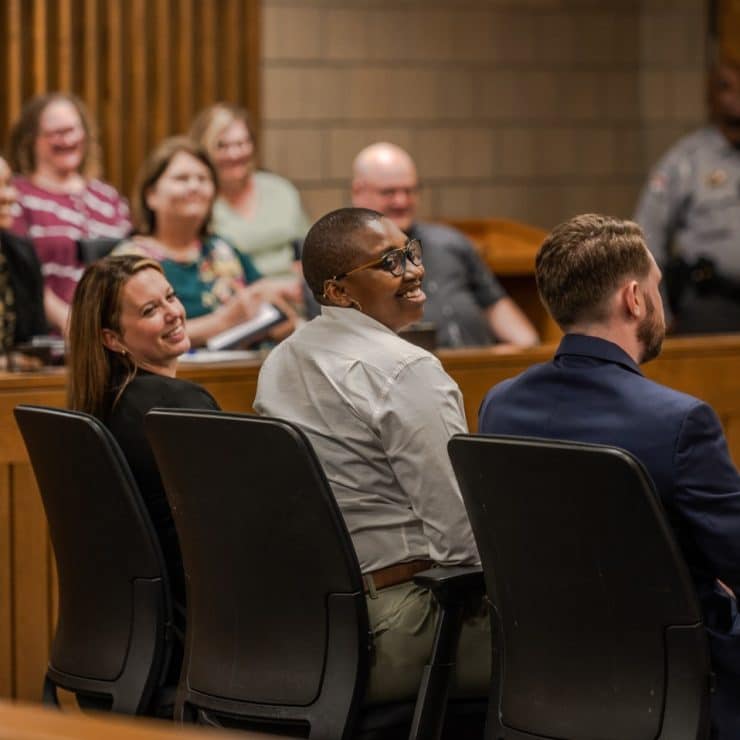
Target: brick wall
(527, 109)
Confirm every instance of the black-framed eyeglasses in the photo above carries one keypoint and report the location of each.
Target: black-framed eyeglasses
(393, 261)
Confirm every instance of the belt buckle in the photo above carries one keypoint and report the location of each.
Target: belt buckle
(370, 589)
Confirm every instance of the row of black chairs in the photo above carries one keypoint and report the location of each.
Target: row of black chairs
(597, 631)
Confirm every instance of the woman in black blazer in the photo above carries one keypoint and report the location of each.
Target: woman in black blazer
(21, 284)
(126, 333)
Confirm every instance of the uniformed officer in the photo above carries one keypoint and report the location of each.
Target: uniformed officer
(690, 213)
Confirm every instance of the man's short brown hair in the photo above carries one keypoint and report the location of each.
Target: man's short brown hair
(582, 262)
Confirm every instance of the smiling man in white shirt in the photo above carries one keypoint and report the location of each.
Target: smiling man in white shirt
(379, 412)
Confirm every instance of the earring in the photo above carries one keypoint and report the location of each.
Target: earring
(355, 304)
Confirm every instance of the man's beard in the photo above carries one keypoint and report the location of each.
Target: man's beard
(650, 332)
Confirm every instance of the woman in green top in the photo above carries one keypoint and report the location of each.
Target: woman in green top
(218, 286)
(259, 212)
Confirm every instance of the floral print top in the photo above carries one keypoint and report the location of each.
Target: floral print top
(202, 284)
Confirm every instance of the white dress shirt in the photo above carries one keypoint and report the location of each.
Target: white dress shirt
(379, 412)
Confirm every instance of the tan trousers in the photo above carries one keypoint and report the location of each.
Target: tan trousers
(402, 620)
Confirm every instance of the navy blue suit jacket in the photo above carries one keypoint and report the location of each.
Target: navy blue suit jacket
(594, 392)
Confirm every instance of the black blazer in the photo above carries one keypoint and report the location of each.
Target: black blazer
(126, 422)
(27, 283)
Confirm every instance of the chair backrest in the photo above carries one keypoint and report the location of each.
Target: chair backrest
(92, 249)
(598, 628)
(114, 598)
(276, 609)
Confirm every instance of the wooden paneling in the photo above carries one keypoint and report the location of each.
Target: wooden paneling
(143, 67)
(726, 22)
(31, 583)
(7, 668)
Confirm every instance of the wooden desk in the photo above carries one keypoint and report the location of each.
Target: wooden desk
(29, 722)
(706, 367)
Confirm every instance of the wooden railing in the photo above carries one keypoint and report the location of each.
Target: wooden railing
(702, 366)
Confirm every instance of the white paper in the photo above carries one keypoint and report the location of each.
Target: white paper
(223, 355)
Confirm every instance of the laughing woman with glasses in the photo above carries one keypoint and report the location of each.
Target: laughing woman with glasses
(219, 286)
(259, 212)
(54, 150)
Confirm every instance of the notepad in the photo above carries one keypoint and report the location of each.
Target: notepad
(266, 317)
(207, 356)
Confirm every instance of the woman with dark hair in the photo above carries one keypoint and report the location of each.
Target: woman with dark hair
(21, 284)
(172, 201)
(54, 150)
(259, 212)
(127, 330)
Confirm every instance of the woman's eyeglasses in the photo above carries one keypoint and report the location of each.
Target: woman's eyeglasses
(393, 261)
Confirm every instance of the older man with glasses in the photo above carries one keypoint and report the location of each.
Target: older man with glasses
(379, 412)
(464, 299)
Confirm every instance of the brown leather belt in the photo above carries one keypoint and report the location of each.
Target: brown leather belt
(395, 574)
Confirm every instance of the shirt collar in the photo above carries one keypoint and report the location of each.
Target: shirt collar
(720, 141)
(353, 318)
(595, 347)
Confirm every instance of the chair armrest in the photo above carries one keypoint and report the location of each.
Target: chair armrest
(452, 583)
(179, 620)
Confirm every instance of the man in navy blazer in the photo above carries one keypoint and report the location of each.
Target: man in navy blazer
(601, 285)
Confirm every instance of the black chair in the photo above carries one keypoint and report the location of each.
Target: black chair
(114, 639)
(93, 249)
(278, 635)
(598, 629)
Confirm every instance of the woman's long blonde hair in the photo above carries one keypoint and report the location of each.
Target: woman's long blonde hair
(97, 376)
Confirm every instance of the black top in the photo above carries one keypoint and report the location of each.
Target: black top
(27, 285)
(126, 423)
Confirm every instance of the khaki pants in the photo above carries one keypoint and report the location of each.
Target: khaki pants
(402, 620)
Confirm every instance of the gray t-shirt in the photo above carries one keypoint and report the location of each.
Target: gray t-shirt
(458, 284)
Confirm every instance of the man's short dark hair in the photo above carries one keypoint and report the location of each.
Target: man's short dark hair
(331, 246)
(582, 262)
